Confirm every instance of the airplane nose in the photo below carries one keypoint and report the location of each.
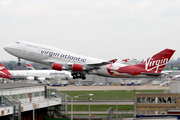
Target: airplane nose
(8, 47)
(5, 48)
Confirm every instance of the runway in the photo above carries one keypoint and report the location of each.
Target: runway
(100, 112)
(106, 87)
(102, 102)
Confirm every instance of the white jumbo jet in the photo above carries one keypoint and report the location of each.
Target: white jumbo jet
(39, 75)
(80, 65)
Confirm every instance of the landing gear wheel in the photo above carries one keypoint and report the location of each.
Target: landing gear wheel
(84, 78)
(18, 63)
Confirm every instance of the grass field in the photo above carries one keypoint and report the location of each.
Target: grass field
(100, 107)
(108, 95)
(114, 115)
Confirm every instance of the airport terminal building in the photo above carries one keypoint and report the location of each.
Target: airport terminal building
(159, 104)
(23, 101)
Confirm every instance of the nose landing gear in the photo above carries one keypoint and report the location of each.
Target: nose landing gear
(18, 64)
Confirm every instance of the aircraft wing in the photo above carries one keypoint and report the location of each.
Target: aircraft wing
(70, 66)
(101, 64)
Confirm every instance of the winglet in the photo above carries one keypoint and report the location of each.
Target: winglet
(125, 60)
(113, 61)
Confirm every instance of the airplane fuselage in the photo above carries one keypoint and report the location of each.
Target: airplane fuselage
(49, 55)
(50, 74)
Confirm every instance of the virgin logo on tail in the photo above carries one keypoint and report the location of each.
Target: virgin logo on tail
(157, 62)
(151, 64)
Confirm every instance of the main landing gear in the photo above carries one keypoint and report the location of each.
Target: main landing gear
(77, 75)
(18, 64)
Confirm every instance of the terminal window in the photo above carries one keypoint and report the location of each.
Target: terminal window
(36, 94)
(15, 97)
(42, 93)
(166, 99)
(22, 96)
(156, 100)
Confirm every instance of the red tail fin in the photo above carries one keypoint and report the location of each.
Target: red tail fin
(29, 67)
(157, 62)
(4, 72)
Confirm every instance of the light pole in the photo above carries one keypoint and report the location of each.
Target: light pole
(134, 103)
(117, 106)
(75, 104)
(117, 103)
(71, 106)
(89, 102)
(89, 105)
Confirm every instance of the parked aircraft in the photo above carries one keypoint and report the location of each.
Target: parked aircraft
(39, 75)
(176, 77)
(80, 65)
(52, 73)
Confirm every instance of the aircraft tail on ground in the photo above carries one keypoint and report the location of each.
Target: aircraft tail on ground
(4, 73)
(29, 67)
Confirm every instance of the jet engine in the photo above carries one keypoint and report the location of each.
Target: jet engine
(75, 67)
(78, 67)
(57, 66)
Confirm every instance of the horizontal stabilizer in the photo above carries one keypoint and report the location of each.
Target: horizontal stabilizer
(152, 74)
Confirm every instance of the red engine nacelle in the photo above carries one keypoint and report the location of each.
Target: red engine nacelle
(77, 67)
(56, 66)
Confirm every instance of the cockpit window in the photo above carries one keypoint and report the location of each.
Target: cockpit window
(17, 42)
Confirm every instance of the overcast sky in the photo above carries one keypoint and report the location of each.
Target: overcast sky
(105, 29)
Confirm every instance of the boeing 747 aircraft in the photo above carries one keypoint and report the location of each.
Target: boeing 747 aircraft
(80, 65)
(39, 75)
